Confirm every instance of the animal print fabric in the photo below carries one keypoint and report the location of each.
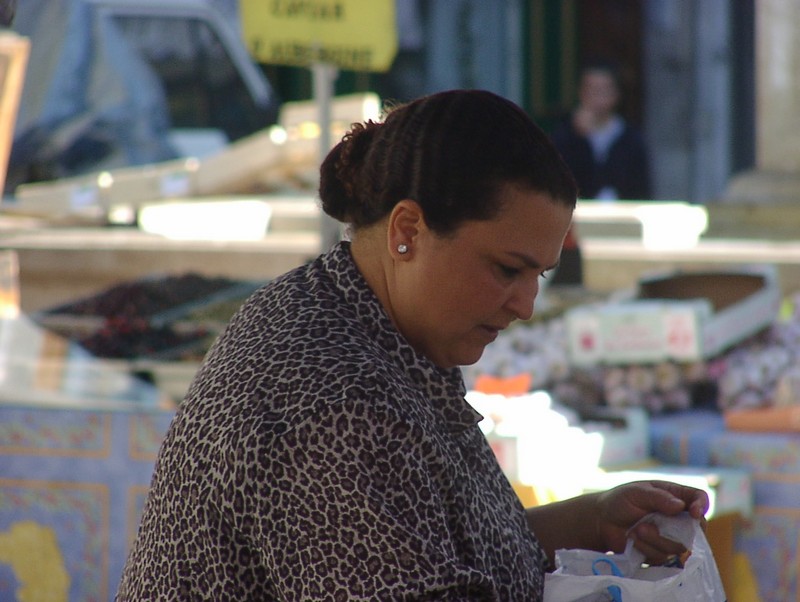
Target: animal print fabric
(317, 456)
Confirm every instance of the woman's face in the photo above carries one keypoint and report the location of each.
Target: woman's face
(598, 92)
(456, 293)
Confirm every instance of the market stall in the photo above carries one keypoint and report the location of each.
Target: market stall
(105, 372)
(709, 386)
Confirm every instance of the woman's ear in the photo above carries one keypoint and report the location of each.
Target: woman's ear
(406, 222)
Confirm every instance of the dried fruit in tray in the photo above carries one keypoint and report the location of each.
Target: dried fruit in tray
(121, 338)
(149, 297)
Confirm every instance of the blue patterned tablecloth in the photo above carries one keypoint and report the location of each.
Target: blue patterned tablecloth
(72, 485)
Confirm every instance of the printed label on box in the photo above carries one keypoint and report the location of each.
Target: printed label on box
(632, 332)
(681, 334)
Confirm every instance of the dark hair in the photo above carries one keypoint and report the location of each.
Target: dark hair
(603, 65)
(452, 152)
(8, 9)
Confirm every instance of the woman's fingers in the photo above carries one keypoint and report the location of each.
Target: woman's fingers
(656, 549)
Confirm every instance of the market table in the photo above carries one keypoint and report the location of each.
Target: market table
(78, 438)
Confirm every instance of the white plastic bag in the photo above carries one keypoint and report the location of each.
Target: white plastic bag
(586, 575)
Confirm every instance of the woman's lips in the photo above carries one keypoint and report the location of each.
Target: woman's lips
(491, 331)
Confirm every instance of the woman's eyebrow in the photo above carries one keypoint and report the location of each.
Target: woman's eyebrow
(531, 262)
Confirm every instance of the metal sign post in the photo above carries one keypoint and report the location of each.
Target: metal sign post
(324, 75)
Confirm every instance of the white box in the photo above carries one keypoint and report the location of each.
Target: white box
(625, 435)
(684, 316)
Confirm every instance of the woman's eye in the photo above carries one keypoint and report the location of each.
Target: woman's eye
(509, 271)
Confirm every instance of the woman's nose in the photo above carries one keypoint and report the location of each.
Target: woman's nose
(523, 297)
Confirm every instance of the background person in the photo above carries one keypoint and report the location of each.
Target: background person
(325, 450)
(607, 155)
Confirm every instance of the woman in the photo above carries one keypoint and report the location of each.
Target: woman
(607, 154)
(325, 449)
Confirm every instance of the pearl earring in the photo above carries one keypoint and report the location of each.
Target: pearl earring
(402, 249)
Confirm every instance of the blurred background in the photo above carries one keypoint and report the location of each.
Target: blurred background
(116, 82)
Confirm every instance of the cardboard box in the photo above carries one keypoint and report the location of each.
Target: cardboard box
(171, 179)
(686, 437)
(301, 118)
(777, 419)
(93, 195)
(685, 316)
(625, 435)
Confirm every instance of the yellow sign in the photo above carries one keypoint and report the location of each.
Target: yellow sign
(358, 35)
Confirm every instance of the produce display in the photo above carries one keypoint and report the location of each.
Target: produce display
(146, 297)
(765, 370)
(176, 318)
(169, 317)
(130, 338)
(761, 371)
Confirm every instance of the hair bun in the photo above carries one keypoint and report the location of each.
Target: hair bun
(339, 188)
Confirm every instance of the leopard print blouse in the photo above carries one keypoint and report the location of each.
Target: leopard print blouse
(317, 456)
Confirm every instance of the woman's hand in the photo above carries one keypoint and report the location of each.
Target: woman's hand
(621, 507)
(584, 121)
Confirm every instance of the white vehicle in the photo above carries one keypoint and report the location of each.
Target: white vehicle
(112, 83)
